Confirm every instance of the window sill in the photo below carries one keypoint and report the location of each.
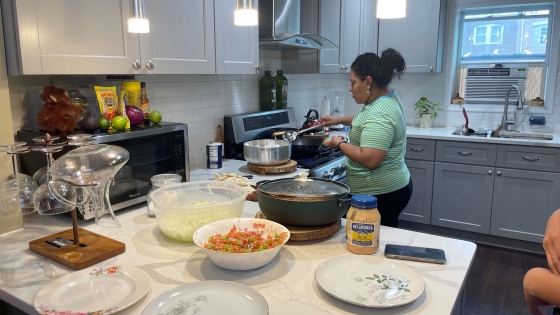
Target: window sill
(492, 108)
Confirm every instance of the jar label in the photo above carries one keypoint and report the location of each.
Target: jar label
(362, 234)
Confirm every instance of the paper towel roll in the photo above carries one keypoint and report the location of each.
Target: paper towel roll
(325, 107)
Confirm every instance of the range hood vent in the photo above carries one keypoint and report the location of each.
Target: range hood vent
(279, 27)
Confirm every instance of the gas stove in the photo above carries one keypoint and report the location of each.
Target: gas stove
(328, 164)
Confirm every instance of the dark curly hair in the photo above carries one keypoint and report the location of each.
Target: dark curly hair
(381, 69)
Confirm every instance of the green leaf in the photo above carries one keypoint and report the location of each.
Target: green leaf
(378, 281)
(400, 289)
(384, 276)
(376, 276)
(370, 278)
(406, 290)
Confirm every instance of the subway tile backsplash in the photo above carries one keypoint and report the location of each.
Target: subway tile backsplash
(201, 101)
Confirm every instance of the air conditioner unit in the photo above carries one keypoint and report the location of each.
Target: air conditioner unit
(489, 85)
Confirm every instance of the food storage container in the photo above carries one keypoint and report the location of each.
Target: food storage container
(183, 208)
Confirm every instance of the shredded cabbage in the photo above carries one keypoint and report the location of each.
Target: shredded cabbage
(181, 226)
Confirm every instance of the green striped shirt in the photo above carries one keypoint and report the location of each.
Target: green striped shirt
(379, 125)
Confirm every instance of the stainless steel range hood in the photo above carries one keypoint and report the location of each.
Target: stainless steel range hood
(279, 27)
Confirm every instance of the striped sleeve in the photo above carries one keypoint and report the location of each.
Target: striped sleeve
(377, 133)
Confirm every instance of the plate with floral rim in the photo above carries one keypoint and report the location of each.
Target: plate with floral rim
(369, 281)
(99, 291)
(209, 297)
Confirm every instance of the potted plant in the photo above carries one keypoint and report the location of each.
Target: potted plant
(426, 111)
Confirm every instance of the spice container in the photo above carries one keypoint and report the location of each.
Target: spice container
(157, 182)
(362, 225)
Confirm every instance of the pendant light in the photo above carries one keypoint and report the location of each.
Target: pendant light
(391, 9)
(138, 23)
(246, 13)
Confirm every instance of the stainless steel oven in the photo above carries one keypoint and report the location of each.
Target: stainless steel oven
(154, 149)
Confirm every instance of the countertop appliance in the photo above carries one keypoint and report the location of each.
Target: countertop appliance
(154, 149)
(240, 128)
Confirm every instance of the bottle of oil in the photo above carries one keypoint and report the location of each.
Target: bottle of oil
(145, 103)
(281, 90)
(267, 86)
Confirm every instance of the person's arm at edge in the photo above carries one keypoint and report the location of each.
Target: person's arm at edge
(368, 157)
(551, 242)
(541, 287)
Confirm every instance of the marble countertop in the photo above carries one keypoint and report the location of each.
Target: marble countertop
(446, 134)
(287, 283)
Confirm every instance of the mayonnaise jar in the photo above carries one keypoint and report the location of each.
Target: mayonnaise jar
(363, 221)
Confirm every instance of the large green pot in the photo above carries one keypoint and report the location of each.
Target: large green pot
(304, 210)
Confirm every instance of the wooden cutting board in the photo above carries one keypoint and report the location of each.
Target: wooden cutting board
(287, 167)
(298, 233)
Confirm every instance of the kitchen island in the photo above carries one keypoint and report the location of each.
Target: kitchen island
(287, 283)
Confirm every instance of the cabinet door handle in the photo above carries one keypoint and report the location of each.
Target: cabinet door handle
(136, 64)
(431, 69)
(257, 67)
(150, 65)
(499, 173)
(417, 149)
(489, 172)
(465, 153)
(530, 159)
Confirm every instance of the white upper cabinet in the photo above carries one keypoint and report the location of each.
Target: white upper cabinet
(69, 37)
(352, 26)
(237, 47)
(418, 36)
(330, 28)
(91, 37)
(181, 38)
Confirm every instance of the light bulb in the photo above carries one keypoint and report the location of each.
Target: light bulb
(138, 25)
(246, 17)
(391, 9)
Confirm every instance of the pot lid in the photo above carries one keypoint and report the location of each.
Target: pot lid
(304, 187)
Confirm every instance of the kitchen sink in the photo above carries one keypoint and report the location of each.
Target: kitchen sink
(526, 135)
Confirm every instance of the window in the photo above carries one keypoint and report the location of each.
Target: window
(539, 36)
(488, 34)
(511, 34)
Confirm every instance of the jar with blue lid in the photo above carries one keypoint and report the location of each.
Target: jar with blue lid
(363, 222)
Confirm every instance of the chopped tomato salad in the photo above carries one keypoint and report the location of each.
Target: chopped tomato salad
(244, 241)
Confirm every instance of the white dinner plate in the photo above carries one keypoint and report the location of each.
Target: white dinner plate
(103, 291)
(370, 281)
(209, 297)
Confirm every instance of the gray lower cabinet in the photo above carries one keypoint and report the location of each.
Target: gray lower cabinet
(462, 197)
(523, 202)
(419, 207)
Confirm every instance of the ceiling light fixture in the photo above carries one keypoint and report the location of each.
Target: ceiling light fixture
(246, 13)
(391, 9)
(138, 23)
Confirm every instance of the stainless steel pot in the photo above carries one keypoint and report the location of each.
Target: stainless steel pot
(267, 152)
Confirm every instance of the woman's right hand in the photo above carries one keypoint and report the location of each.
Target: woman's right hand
(329, 121)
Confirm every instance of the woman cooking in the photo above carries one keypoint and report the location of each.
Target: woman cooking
(377, 138)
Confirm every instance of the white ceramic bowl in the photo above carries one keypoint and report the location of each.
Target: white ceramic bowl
(239, 261)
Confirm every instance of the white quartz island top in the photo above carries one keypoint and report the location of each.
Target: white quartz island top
(447, 134)
(287, 283)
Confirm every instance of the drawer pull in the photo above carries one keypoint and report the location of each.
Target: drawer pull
(417, 149)
(464, 153)
(530, 159)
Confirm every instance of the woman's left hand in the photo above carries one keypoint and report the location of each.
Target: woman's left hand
(335, 140)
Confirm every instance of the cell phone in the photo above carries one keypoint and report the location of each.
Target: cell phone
(423, 254)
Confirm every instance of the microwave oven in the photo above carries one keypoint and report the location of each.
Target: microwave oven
(154, 149)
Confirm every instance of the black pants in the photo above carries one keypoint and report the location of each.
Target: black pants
(390, 205)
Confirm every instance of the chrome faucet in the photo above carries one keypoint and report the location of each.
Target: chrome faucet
(505, 122)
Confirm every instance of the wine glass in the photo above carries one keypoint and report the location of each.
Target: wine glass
(46, 198)
(16, 191)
